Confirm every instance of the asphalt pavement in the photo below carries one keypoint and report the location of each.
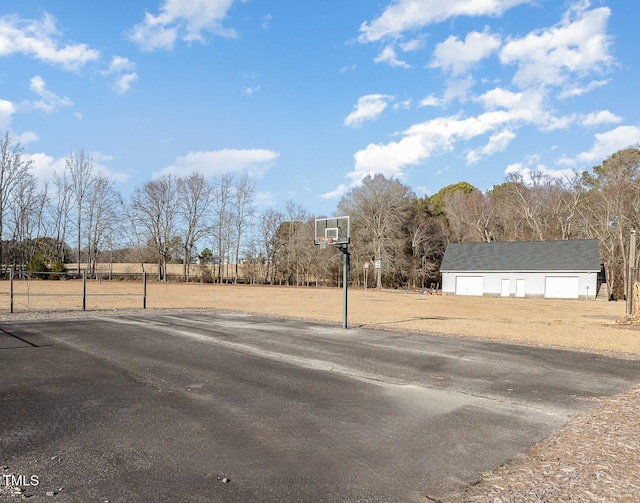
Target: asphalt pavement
(220, 407)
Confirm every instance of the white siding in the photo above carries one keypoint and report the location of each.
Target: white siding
(535, 282)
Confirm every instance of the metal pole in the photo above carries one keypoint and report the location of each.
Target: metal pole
(366, 277)
(84, 290)
(632, 265)
(633, 291)
(144, 290)
(11, 289)
(345, 280)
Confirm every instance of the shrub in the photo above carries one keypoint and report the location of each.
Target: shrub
(57, 266)
(37, 264)
(206, 274)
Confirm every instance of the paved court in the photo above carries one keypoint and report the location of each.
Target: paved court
(213, 407)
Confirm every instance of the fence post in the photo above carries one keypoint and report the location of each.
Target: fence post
(144, 290)
(632, 264)
(11, 289)
(84, 290)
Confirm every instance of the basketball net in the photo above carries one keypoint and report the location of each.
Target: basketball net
(323, 241)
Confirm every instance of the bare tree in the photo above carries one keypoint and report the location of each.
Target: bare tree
(471, 216)
(26, 218)
(14, 167)
(243, 194)
(564, 201)
(133, 231)
(295, 233)
(269, 224)
(427, 244)
(379, 210)
(222, 224)
(195, 197)
(529, 200)
(103, 205)
(155, 208)
(60, 210)
(611, 208)
(80, 167)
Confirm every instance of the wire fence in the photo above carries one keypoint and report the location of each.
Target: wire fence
(49, 291)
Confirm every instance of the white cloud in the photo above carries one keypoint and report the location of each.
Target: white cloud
(601, 117)
(187, 19)
(119, 65)
(50, 101)
(253, 86)
(100, 164)
(412, 45)
(123, 71)
(212, 163)
(527, 107)
(532, 165)
(458, 89)
(369, 108)
(431, 101)
(554, 123)
(250, 90)
(497, 143)
(577, 46)
(457, 57)
(7, 109)
(266, 21)
(44, 166)
(404, 15)
(420, 142)
(124, 83)
(388, 55)
(505, 112)
(605, 144)
(338, 192)
(27, 137)
(39, 39)
(571, 91)
(402, 105)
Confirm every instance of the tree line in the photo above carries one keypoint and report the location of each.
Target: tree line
(80, 221)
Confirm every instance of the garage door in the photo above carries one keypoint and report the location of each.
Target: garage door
(566, 287)
(469, 285)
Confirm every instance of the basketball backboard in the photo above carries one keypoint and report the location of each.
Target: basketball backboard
(333, 230)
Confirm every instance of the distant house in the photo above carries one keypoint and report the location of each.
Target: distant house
(568, 269)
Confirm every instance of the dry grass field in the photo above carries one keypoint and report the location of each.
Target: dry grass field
(584, 325)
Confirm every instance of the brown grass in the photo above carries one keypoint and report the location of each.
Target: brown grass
(586, 325)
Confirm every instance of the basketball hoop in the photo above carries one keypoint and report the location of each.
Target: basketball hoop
(324, 241)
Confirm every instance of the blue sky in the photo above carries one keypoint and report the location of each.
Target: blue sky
(309, 97)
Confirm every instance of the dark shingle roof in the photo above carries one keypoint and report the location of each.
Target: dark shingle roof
(568, 255)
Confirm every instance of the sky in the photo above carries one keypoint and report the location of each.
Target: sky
(310, 97)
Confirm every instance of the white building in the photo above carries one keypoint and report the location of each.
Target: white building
(568, 269)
